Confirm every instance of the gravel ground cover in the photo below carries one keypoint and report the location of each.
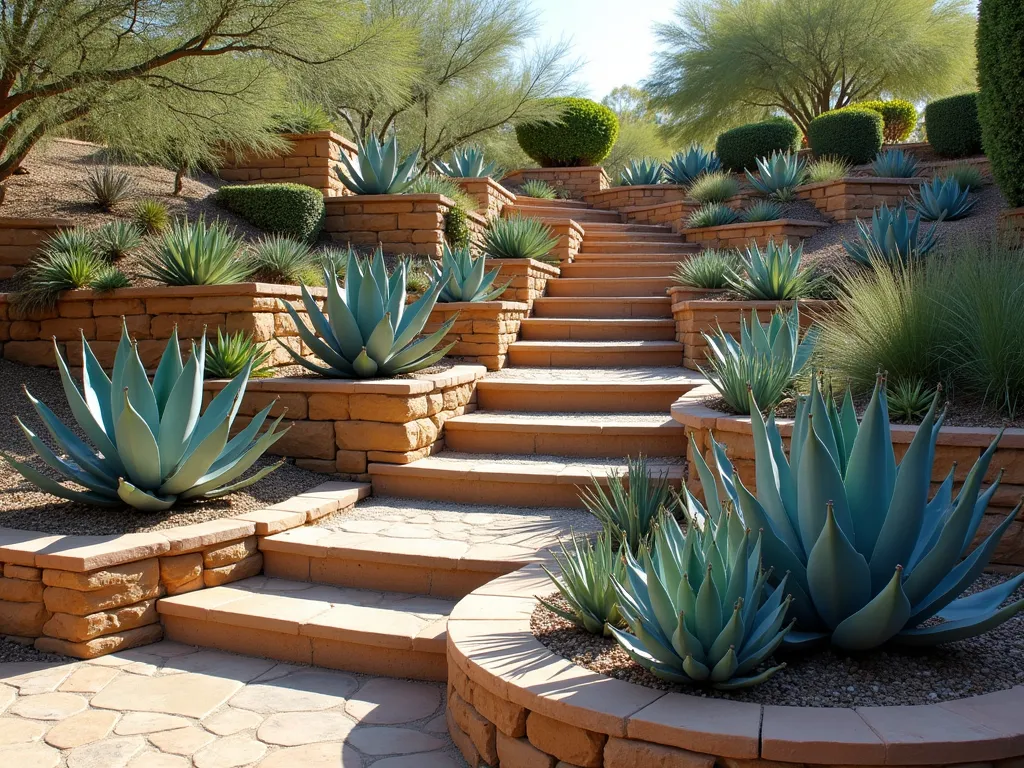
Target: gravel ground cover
(829, 677)
(12, 650)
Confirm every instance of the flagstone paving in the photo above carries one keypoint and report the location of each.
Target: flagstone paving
(175, 706)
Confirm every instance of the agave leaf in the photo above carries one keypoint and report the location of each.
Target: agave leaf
(168, 371)
(180, 414)
(141, 499)
(237, 445)
(969, 616)
(226, 474)
(75, 447)
(772, 477)
(140, 392)
(820, 485)
(51, 486)
(421, 347)
(93, 430)
(70, 471)
(838, 574)
(868, 483)
(379, 345)
(198, 461)
(878, 621)
(96, 389)
(737, 683)
(255, 478)
(725, 668)
(320, 348)
(138, 447)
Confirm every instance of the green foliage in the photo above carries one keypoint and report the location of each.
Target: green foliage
(74, 240)
(463, 278)
(585, 582)
(712, 215)
(942, 200)
(192, 253)
(685, 167)
(518, 237)
(952, 126)
(772, 274)
(583, 136)
(636, 139)
(467, 162)
(301, 118)
(909, 399)
(765, 361)
(110, 279)
(778, 175)
(713, 187)
(968, 176)
(151, 448)
(894, 164)
(739, 148)
(852, 133)
(898, 115)
(109, 186)
(707, 269)
(628, 509)
(872, 560)
(418, 281)
(116, 239)
(432, 184)
(1001, 94)
(294, 210)
(333, 260)
(233, 353)
(646, 171)
(381, 170)
(369, 331)
(53, 272)
(891, 238)
(150, 215)
(456, 227)
(762, 210)
(827, 169)
(698, 608)
(279, 259)
(537, 188)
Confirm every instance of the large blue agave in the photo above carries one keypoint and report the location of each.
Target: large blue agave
(467, 163)
(892, 237)
(380, 170)
(684, 167)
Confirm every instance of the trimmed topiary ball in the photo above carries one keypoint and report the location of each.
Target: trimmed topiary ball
(952, 125)
(740, 148)
(899, 117)
(1001, 99)
(294, 210)
(851, 133)
(584, 136)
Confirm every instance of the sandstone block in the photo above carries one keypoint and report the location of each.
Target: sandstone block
(100, 646)
(21, 591)
(629, 753)
(168, 306)
(462, 742)
(78, 629)
(180, 569)
(520, 753)
(75, 308)
(389, 408)
(328, 407)
(228, 553)
(566, 742)
(507, 717)
(109, 328)
(251, 566)
(24, 330)
(475, 726)
(118, 307)
(61, 600)
(376, 436)
(24, 619)
(189, 326)
(259, 324)
(142, 573)
(351, 462)
(186, 586)
(23, 572)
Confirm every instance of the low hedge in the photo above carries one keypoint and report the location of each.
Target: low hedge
(584, 136)
(1001, 98)
(740, 148)
(852, 133)
(952, 125)
(899, 117)
(286, 209)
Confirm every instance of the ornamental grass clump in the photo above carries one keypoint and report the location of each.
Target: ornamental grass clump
(645, 171)
(684, 168)
(891, 238)
(50, 274)
(231, 353)
(778, 175)
(539, 189)
(151, 216)
(117, 239)
(827, 169)
(109, 186)
(968, 176)
(713, 187)
(772, 274)
(762, 210)
(378, 169)
(519, 237)
(110, 278)
(464, 278)
(586, 570)
(280, 259)
(194, 253)
(708, 269)
(152, 445)
(712, 215)
(628, 510)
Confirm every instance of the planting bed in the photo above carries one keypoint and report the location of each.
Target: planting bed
(617, 198)
(20, 239)
(491, 197)
(310, 161)
(742, 234)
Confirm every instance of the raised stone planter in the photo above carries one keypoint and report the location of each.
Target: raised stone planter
(490, 196)
(513, 702)
(570, 239)
(960, 445)
(617, 198)
(337, 425)
(310, 161)
(20, 239)
(742, 234)
(1011, 226)
(86, 596)
(856, 197)
(483, 330)
(577, 182)
(695, 317)
(529, 278)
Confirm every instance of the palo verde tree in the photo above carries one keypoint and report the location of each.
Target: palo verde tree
(727, 62)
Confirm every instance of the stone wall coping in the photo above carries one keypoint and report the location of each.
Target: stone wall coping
(769, 305)
(417, 197)
(879, 180)
(491, 183)
(27, 222)
(570, 223)
(337, 138)
(619, 187)
(732, 201)
(187, 291)
(677, 291)
(502, 656)
(539, 266)
(421, 383)
(491, 306)
(739, 225)
(557, 168)
(88, 553)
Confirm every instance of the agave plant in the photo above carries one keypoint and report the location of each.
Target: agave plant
(151, 215)
(698, 607)
(192, 253)
(51, 273)
(765, 361)
(370, 330)
(707, 269)
(773, 273)
(539, 189)
(585, 583)
(519, 237)
(763, 210)
(892, 237)
(77, 240)
(627, 510)
(645, 171)
(942, 200)
(467, 163)
(151, 446)
(778, 175)
(685, 167)
(712, 215)
(871, 559)
(231, 353)
(894, 164)
(462, 277)
(380, 172)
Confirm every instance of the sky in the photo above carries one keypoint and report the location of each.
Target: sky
(613, 37)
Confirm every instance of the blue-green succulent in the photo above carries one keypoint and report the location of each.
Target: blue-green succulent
(644, 171)
(585, 577)
(894, 164)
(463, 277)
(778, 175)
(467, 163)
(942, 200)
(684, 167)
(772, 273)
(380, 171)
(893, 237)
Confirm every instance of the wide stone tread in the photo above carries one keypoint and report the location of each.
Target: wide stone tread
(623, 268)
(597, 329)
(582, 215)
(669, 259)
(602, 286)
(603, 306)
(586, 394)
(595, 353)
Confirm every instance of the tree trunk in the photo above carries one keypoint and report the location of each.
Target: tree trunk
(179, 179)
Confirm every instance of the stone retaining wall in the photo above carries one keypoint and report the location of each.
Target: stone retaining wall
(577, 182)
(529, 278)
(627, 196)
(490, 196)
(20, 239)
(850, 198)
(310, 161)
(742, 234)
(570, 240)
(482, 331)
(1011, 226)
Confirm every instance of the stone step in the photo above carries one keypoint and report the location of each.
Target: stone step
(524, 481)
(593, 435)
(604, 286)
(603, 307)
(580, 390)
(634, 246)
(613, 229)
(522, 201)
(589, 354)
(582, 215)
(624, 268)
(372, 632)
(639, 258)
(596, 329)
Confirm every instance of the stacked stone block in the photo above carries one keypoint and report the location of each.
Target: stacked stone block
(527, 278)
(848, 199)
(310, 161)
(482, 330)
(491, 197)
(575, 182)
(20, 239)
(742, 234)
(617, 198)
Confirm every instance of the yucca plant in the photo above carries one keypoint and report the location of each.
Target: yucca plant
(151, 216)
(895, 164)
(713, 187)
(74, 240)
(280, 259)
(628, 509)
(762, 210)
(116, 239)
(909, 398)
(967, 175)
(645, 171)
(942, 200)
(585, 582)
(827, 169)
(380, 171)
(368, 329)
(194, 253)
(468, 163)
(151, 445)
(778, 176)
(892, 237)
(685, 167)
(707, 269)
(539, 189)
(110, 278)
(519, 237)
(698, 607)
(232, 353)
(870, 558)
(712, 215)
(765, 361)
(50, 274)
(109, 186)
(463, 278)
(772, 274)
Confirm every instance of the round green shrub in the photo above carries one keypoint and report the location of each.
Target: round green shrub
(740, 148)
(1001, 98)
(850, 133)
(952, 125)
(456, 227)
(584, 136)
(294, 210)
(899, 117)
